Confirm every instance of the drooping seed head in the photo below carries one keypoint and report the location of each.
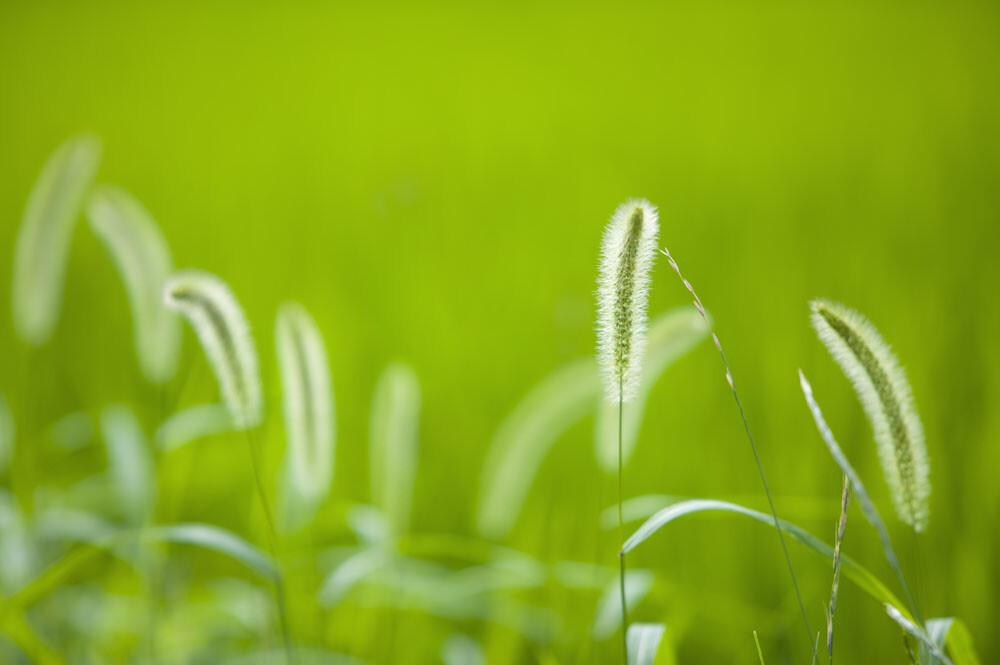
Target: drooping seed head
(222, 328)
(627, 253)
(887, 400)
(142, 256)
(307, 401)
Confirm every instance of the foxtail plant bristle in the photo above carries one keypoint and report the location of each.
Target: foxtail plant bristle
(885, 396)
(307, 402)
(43, 243)
(217, 318)
(627, 253)
(142, 256)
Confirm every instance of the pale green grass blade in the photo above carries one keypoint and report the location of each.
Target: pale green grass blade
(952, 633)
(867, 506)
(216, 539)
(525, 437)
(608, 617)
(460, 649)
(193, 423)
(864, 579)
(760, 654)
(643, 642)
(912, 628)
(130, 462)
(18, 555)
(72, 432)
(370, 525)
(670, 336)
(394, 445)
(349, 573)
(43, 243)
(142, 256)
(8, 434)
(637, 508)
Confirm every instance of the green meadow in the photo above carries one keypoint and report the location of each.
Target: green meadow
(430, 183)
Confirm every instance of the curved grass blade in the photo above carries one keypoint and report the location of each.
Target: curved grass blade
(18, 553)
(643, 642)
(954, 634)
(8, 434)
(141, 254)
(864, 579)
(913, 629)
(370, 525)
(671, 335)
(308, 409)
(394, 431)
(867, 507)
(73, 431)
(349, 573)
(460, 649)
(887, 399)
(525, 437)
(608, 617)
(222, 328)
(192, 423)
(216, 539)
(131, 465)
(43, 243)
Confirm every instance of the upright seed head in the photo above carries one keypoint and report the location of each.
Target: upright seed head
(885, 395)
(307, 401)
(217, 318)
(627, 253)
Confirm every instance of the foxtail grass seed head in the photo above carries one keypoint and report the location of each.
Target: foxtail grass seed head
(885, 395)
(307, 401)
(43, 243)
(218, 320)
(142, 256)
(627, 253)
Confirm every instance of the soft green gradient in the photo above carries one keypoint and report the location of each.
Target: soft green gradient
(431, 181)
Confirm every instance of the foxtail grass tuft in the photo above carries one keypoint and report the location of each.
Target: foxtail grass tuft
(627, 254)
(845, 497)
(217, 318)
(887, 400)
(307, 404)
(46, 234)
(142, 256)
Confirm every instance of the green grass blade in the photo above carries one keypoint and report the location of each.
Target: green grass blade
(608, 617)
(954, 634)
(394, 431)
(643, 642)
(349, 573)
(760, 654)
(43, 243)
(867, 506)
(216, 539)
(130, 462)
(8, 434)
(525, 437)
(460, 649)
(864, 579)
(193, 423)
(908, 625)
(670, 336)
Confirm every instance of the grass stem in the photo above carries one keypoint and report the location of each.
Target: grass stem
(621, 532)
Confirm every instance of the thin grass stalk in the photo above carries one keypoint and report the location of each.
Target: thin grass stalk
(272, 535)
(621, 533)
(753, 449)
(845, 498)
(760, 654)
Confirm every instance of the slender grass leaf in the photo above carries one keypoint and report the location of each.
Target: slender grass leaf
(8, 434)
(460, 649)
(867, 506)
(760, 654)
(370, 525)
(216, 539)
(864, 579)
(18, 555)
(912, 628)
(191, 424)
(300, 656)
(43, 243)
(394, 431)
(671, 335)
(637, 508)
(72, 432)
(308, 409)
(643, 642)
(608, 617)
(141, 254)
(954, 634)
(131, 465)
(349, 573)
(524, 439)
(222, 328)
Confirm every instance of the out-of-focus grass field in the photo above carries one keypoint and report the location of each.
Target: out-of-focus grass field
(431, 181)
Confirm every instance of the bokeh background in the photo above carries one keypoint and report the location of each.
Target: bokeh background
(431, 180)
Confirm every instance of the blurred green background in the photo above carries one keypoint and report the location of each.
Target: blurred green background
(431, 181)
